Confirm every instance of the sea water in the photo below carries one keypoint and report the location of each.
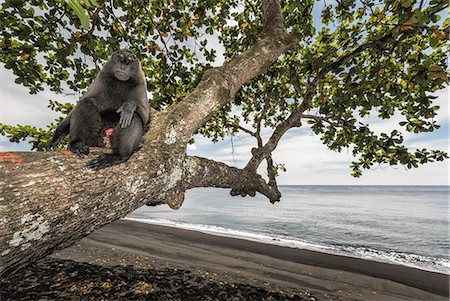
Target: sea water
(406, 225)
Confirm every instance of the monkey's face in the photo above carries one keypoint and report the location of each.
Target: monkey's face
(125, 64)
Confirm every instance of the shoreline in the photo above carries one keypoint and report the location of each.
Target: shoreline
(281, 242)
(285, 268)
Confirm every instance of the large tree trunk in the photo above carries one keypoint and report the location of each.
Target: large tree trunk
(50, 200)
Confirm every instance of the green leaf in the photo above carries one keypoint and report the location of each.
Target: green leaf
(93, 3)
(80, 12)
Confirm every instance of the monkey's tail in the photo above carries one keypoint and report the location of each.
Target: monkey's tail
(61, 132)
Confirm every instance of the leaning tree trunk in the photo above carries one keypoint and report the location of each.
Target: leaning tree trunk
(50, 200)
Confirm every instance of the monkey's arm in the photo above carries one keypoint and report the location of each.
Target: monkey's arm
(94, 89)
(126, 111)
(137, 102)
(142, 103)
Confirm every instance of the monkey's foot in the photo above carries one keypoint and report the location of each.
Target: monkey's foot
(79, 148)
(52, 145)
(105, 160)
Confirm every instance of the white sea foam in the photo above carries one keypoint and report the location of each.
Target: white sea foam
(227, 232)
(440, 265)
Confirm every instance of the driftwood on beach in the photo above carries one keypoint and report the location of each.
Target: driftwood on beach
(50, 200)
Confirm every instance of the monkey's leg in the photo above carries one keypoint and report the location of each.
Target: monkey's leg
(124, 142)
(85, 128)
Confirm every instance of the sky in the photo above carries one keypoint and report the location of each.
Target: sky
(307, 160)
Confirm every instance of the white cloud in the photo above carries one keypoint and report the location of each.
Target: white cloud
(386, 126)
(18, 106)
(309, 162)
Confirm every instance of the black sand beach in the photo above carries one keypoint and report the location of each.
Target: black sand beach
(135, 261)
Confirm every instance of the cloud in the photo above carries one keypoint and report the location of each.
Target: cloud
(236, 153)
(309, 162)
(18, 106)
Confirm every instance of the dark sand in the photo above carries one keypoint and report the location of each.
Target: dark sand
(156, 259)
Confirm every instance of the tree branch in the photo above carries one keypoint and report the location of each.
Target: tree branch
(271, 173)
(219, 85)
(240, 128)
(90, 35)
(202, 172)
(294, 119)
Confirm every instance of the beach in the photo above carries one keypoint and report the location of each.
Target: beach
(140, 261)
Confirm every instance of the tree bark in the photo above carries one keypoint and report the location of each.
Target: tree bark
(50, 200)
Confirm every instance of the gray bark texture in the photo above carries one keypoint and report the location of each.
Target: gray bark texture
(50, 200)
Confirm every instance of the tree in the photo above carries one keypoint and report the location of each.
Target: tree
(281, 69)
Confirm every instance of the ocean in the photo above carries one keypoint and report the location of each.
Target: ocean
(405, 225)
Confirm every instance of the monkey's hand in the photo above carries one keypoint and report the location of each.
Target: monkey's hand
(126, 111)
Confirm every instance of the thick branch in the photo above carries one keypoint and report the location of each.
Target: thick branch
(50, 200)
(202, 172)
(273, 21)
(219, 85)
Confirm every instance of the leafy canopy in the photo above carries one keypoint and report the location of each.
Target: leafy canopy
(353, 59)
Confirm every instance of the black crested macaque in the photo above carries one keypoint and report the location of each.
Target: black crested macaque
(116, 99)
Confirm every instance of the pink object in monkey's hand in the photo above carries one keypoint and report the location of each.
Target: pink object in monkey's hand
(109, 131)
